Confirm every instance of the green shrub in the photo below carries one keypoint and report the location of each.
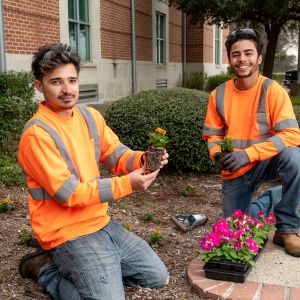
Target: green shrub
(278, 77)
(10, 170)
(24, 236)
(16, 107)
(196, 80)
(214, 81)
(181, 112)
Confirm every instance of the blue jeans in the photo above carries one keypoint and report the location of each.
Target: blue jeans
(283, 200)
(95, 266)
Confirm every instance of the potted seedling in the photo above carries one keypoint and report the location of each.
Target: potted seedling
(158, 141)
(226, 145)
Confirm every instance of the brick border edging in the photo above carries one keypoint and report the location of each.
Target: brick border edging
(249, 290)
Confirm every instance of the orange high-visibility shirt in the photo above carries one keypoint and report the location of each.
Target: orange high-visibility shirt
(243, 115)
(67, 198)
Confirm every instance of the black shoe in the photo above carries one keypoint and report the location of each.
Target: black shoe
(30, 264)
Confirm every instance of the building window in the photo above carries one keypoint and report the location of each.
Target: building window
(79, 27)
(217, 44)
(160, 37)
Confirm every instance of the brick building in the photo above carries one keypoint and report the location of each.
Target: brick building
(117, 57)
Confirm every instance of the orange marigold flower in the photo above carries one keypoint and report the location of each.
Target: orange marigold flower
(160, 131)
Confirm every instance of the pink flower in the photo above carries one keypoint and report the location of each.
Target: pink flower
(252, 245)
(261, 214)
(272, 217)
(221, 227)
(237, 214)
(238, 245)
(210, 241)
(239, 233)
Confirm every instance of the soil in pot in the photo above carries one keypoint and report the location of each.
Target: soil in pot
(153, 158)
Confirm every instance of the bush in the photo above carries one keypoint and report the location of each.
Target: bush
(10, 170)
(196, 80)
(214, 81)
(16, 107)
(278, 77)
(179, 111)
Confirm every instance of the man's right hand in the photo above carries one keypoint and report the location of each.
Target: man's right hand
(141, 181)
(217, 160)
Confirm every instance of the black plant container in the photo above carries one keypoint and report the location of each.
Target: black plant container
(230, 271)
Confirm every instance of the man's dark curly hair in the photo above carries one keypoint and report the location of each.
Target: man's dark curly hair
(50, 57)
(244, 34)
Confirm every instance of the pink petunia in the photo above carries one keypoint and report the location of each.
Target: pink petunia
(238, 214)
(252, 245)
(261, 214)
(210, 241)
(238, 245)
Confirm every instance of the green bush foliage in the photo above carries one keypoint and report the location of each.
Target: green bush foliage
(214, 81)
(181, 112)
(16, 107)
(196, 80)
(278, 77)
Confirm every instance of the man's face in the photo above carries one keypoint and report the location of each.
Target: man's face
(60, 88)
(244, 59)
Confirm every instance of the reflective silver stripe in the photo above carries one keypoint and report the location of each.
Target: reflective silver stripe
(211, 145)
(261, 112)
(278, 143)
(39, 194)
(220, 92)
(113, 158)
(105, 190)
(59, 144)
(213, 131)
(93, 130)
(130, 162)
(243, 144)
(288, 123)
(67, 189)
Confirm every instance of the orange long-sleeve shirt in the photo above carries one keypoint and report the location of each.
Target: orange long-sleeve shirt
(240, 122)
(82, 211)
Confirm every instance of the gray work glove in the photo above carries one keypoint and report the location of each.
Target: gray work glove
(217, 160)
(234, 160)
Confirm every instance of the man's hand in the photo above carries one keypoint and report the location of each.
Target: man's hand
(139, 180)
(217, 160)
(164, 159)
(234, 160)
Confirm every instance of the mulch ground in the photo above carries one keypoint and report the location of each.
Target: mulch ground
(167, 196)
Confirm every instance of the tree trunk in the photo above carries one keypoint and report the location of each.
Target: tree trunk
(272, 35)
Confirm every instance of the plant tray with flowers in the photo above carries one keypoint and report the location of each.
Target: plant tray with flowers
(234, 244)
(158, 141)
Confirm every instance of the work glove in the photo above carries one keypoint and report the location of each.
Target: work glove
(217, 160)
(234, 160)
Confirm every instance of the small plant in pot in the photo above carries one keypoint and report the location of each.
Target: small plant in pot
(226, 145)
(158, 141)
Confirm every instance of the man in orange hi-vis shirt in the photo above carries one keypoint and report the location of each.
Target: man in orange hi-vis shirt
(257, 114)
(84, 254)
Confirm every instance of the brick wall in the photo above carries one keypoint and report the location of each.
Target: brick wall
(194, 42)
(208, 42)
(29, 24)
(116, 31)
(175, 35)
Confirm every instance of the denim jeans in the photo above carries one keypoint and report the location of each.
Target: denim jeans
(95, 266)
(283, 200)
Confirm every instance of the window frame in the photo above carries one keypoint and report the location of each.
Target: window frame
(78, 25)
(160, 37)
(217, 43)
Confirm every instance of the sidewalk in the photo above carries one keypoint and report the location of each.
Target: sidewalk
(276, 276)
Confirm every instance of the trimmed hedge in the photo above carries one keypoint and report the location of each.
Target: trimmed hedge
(213, 81)
(16, 107)
(179, 111)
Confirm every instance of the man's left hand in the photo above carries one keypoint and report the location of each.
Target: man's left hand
(235, 160)
(164, 159)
